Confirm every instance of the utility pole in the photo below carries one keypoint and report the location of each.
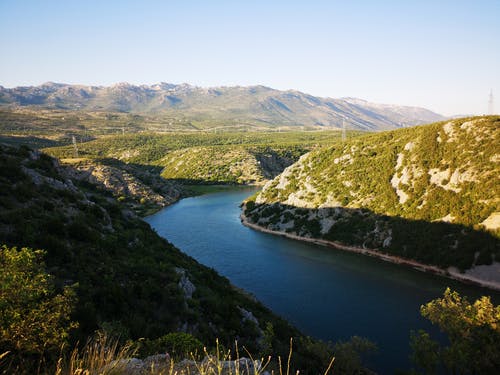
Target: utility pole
(75, 148)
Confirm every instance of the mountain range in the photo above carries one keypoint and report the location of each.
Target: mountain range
(253, 106)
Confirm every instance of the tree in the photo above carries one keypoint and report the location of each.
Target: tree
(473, 332)
(34, 319)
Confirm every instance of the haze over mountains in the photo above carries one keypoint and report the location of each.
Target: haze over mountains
(252, 105)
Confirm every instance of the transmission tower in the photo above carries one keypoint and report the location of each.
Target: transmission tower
(75, 148)
(491, 109)
(344, 133)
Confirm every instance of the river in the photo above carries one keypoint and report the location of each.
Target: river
(329, 294)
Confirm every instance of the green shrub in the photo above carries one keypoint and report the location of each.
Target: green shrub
(34, 317)
(177, 344)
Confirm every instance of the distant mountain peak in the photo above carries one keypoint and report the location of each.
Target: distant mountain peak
(254, 105)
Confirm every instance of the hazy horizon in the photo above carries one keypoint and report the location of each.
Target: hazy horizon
(439, 56)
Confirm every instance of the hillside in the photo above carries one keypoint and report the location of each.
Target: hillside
(428, 194)
(128, 280)
(139, 187)
(194, 158)
(191, 107)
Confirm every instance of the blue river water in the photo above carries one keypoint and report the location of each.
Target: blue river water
(326, 293)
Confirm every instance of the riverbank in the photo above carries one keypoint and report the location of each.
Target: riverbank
(482, 278)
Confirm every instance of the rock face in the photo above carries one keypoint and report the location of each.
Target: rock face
(427, 193)
(163, 364)
(272, 164)
(212, 365)
(126, 181)
(155, 364)
(185, 284)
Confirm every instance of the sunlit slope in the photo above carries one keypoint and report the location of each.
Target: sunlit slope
(239, 157)
(429, 193)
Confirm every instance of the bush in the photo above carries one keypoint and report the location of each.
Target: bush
(177, 344)
(34, 319)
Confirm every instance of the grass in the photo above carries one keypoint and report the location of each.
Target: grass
(104, 356)
(101, 355)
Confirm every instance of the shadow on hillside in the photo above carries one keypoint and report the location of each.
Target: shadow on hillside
(189, 181)
(136, 166)
(29, 141)
(437, 243)
(146, 172)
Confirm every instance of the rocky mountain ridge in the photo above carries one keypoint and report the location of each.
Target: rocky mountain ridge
(252, 105)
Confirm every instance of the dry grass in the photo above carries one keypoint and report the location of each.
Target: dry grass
(104, 356)
(101, 355)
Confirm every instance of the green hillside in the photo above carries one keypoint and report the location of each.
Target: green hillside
(428, 193)
(229, 157)
(127, 280)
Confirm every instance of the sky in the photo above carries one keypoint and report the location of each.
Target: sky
(441, 55)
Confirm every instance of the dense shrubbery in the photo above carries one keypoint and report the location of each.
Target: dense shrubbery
(127, 276)
(358, 177)
(207, 157)
(148, 148)
(473, 333)
(34, 316)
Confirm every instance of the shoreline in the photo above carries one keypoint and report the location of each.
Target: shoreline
(451, 274)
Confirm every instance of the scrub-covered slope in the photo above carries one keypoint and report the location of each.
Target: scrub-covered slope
(237, 157)
(128, 280)
(429, 193)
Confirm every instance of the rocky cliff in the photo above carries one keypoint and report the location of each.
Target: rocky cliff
(138, 186)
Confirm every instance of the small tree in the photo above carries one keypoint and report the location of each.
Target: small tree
(34, 319)
(473, 332)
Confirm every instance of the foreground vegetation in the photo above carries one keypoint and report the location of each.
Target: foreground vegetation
(472, 332)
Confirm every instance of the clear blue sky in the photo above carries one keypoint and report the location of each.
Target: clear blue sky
(443, 55)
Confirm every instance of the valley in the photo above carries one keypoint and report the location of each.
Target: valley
(249, 188)
(326, 292)
(76, 184)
